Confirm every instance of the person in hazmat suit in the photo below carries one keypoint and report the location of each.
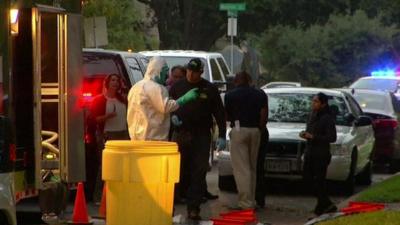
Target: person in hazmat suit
(149, 105)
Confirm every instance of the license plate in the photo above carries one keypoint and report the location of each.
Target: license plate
(277, 166)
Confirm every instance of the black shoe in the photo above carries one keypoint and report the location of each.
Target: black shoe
(180, 200)
(330, 209)
(260, 203)
(327, 209)
(194, 215)
(318, 211)
(210, 196)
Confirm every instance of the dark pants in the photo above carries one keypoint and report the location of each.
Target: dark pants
(195, 152)
(92, 167)
(260, 183)
(315, 168)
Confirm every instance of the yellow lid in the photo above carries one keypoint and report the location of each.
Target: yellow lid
(154, 147)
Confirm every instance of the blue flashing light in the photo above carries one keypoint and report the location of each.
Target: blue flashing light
(383, 73)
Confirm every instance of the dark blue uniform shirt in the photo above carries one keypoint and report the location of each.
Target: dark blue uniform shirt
(244, 104)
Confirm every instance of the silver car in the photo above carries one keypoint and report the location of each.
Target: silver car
(288, 111)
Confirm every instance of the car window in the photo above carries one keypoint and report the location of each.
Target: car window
(100, 64)
(135, 69)
(370, 101)
(216, 73)
(376, 84)
(223, 66)
(145, 62)
(296, 107)
(96, 66)
(354, 106)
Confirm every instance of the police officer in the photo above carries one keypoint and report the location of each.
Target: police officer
(195, 132)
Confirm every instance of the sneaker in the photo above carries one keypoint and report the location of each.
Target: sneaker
(194, 215)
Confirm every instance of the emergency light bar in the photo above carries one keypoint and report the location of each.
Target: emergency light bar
(384, 73)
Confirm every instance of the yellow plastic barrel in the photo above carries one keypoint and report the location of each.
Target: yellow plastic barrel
(140, 178)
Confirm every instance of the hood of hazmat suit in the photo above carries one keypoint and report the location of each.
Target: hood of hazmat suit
(149, 105)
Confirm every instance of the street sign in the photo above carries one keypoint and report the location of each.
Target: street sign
(95, 29)
(232, 27)
(232, 6)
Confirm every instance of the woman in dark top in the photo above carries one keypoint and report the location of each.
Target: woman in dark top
(319, 133)
(108, 116)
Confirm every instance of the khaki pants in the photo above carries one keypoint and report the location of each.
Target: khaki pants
(244, 149)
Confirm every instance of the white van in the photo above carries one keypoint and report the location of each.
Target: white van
(215, 67)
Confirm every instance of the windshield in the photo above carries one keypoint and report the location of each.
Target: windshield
(376, 84)
(182, 61)
(373, 102)
(296, 107)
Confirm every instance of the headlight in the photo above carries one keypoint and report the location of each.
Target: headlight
(339, 150)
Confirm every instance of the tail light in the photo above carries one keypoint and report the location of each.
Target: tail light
(386, 123)
(87, 97)
(90, 89)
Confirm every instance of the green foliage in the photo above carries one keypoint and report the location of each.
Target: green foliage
(123, 24)
(387, 191)
(329, 55)
(382, 218)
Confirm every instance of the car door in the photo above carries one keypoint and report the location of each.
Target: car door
(364, 135)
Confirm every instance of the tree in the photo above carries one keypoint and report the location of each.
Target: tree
(123, 25)
(188, 24)
(329, 55)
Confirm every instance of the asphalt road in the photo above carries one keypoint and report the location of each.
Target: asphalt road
(287, 203)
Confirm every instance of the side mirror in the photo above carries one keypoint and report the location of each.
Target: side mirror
(363, 121)
(349, 118)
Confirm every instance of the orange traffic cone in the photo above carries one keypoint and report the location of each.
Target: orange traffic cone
(103, 204)
(80, 215)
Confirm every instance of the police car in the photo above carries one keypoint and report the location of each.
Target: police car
(383, 80)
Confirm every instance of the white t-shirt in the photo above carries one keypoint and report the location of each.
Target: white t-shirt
(117, 123)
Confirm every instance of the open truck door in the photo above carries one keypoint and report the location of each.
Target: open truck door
(57, 54)
(43, 102)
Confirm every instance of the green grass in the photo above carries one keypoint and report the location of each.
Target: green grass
(387, 191)
(375, 218)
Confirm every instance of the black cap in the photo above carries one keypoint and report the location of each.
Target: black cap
(195, 65)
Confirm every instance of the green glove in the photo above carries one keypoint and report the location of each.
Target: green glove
(190, 96)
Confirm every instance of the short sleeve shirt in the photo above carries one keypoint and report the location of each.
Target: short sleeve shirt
(245, 104)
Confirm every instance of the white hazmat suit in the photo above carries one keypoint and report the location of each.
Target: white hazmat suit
(149, 106)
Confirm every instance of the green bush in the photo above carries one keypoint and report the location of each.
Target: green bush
(329, 55)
